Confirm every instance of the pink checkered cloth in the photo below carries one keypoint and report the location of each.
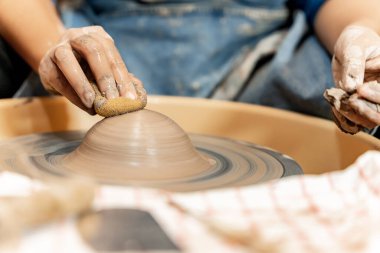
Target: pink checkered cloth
(335, 212)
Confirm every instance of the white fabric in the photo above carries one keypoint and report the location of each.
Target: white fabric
(335, 212)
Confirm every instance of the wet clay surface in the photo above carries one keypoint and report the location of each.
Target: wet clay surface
(146, 148)
(143, 145)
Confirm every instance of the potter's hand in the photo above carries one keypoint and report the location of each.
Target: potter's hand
(62, 69)
(356, 68)
(356, 58)
(351, 112)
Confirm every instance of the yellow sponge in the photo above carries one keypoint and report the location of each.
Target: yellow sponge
(117, 106)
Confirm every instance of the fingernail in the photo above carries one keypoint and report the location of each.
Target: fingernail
(89, 98)
(130, 95)
(350, 84)
(112, 93)
(99, 102)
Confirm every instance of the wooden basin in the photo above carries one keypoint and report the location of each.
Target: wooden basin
(316, 144)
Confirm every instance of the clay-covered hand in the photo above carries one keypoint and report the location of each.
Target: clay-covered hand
(356, 58)
(66, 66)
(351, 112)
(356, 70)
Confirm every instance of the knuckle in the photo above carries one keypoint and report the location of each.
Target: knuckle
(103, 32)
(117, 64)
(114, 65)
(107, 80)
(81, 40)
(49, 74)
(61, 53)
(109, 39)
(44, 67)
(88, 44)
(99, 28)
(92, 48)
(70, 33)
(57, 81)
(50, 79)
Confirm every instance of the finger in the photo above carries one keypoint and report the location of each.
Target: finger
(370, 91)
(65, 59)
(64, 88)
(373, 65)
(53, 80)
(122, 76)
(336, 67)
(353, 68)
(339, 99)
(358, 119)
(343, 123)
(141, 92)
(47, 71)
(100, 67)
(367, 110)
(137, 84)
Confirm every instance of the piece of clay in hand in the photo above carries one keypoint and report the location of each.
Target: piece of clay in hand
(339, 100)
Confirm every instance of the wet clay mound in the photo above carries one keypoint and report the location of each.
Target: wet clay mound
(143, 145)
(148, 149)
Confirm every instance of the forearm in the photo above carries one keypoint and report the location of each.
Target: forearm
(31, 27)
(335, 15)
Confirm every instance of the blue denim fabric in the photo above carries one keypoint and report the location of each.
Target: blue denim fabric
(309, 7)
(187, 48)
(296, 77)
(180, 49)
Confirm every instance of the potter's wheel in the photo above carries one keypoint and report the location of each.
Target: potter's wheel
(155, 153)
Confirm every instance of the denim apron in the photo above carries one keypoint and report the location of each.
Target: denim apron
(254, 51)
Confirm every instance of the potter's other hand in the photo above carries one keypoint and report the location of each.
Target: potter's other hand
(356, 58)
(63, 68)
(351, 112)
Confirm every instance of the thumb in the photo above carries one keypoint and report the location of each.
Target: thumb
(354, 60)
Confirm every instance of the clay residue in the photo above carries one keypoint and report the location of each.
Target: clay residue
(117, 106)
